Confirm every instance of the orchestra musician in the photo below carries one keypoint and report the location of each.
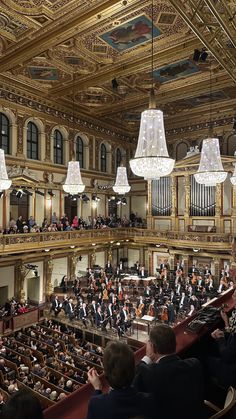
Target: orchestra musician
(70, 310)
(101, 321)
(56, 306)
(110, 314)
(83, 314)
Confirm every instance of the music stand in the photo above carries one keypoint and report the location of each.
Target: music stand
(149, 320)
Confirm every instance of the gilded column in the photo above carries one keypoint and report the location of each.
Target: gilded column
(185, 264)
(20, 130)
(93, 258)
(72, 259)
(218, 207)
(174, 202)
(109, 255)
(150, 262)
(217, 270)
(149, 204)
(20, 274)
(48, 271)
(172, 261)
(187, 200)
(233, 227)
(48, 130)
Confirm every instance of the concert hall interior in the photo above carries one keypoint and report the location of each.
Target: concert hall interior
(117, 203)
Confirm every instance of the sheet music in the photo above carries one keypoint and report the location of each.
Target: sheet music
(148, 318)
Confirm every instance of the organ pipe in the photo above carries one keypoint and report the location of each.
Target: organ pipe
(202, 199)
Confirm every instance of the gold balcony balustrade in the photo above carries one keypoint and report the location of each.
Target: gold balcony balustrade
(18, 243)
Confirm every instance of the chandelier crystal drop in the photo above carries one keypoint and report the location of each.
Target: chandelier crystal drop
(210, 171)
(5, 183)
(121, 186)
(151, 158)
(233, 178)
(73, 184)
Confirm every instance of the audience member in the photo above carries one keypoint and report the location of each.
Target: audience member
(22, 405)
(223, 366)
(122, 401)
(177, 385)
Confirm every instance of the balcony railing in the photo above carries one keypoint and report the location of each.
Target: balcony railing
(33, 241)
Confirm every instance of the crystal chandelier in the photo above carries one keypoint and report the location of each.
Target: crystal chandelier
(5, 183)
(121, 186)
(210, 171)
(233, 178)
(151, 158)
(73, 184)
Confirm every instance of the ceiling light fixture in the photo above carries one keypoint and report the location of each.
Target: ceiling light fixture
(151, 159)
(210, 171)
(73, 183)
(122, 185)
(5, 183)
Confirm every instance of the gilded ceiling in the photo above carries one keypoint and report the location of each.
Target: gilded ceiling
(67, 52)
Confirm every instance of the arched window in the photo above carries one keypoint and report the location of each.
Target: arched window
(32, 141)
(118, 157)
(58, 147)
(4, 133)
(80, 151)
(103, 158)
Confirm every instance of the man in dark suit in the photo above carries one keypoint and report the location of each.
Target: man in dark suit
(177, 385)
(122, 401)
(56, 306)
(69, 309)
(223, 366)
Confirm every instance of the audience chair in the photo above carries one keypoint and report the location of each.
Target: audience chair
(229, 405)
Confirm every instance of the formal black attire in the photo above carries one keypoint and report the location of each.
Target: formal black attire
(177, 386)
(223, 367)
(126, 403)
(56, 307)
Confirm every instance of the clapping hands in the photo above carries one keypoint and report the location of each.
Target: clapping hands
(94, 379)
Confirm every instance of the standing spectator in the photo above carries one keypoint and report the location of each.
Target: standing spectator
(54, 218)
(169, 378)
(20, 224)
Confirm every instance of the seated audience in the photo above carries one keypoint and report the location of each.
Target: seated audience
(177, 385)
(122, 401)
(22, 405)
